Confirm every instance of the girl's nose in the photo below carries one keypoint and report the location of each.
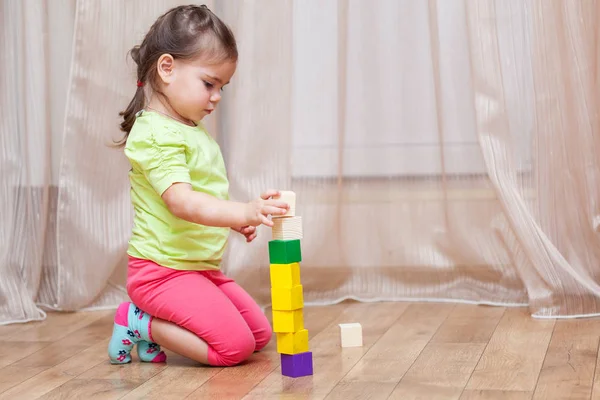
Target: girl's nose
(215, 98)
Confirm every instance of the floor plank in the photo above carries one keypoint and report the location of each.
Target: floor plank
(441, 367)
(176, 381)
(13, 351)
(50, 379)
(417, 391)
(568, 370)
(57, 352)
(513, 358)
(389, 359)
(28, 339)
(445, 365)
(63, 324)
(346, 390)
(495, 395)
(469, 324)
(103, 389)
(8, 331)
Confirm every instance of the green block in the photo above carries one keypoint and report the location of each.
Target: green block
(284, 251)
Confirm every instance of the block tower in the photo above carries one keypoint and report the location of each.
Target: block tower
(286, 292)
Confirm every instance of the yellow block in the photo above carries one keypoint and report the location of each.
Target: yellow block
(285, 275)
(288, 321)
(292, 343)
(287, 299)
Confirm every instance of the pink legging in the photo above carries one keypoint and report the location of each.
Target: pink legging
(207, 303)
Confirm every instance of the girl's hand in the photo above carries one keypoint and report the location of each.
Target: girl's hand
(258, 210)
(248, 231)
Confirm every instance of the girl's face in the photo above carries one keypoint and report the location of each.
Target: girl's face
(193, 87)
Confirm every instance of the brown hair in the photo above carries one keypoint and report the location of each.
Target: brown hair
(184, 32)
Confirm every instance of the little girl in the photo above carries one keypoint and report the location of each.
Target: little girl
(179, 189)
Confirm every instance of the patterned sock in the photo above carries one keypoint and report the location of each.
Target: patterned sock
(132, 326)
(150, 352)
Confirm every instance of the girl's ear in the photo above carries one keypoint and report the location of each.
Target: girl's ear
(164, 67)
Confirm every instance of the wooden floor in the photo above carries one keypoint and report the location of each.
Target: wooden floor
(411, 351)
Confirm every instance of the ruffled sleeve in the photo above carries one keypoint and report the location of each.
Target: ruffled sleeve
(159, 156)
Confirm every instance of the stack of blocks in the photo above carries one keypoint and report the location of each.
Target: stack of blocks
(286, 292)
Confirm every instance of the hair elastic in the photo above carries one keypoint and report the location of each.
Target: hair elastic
(140, 83)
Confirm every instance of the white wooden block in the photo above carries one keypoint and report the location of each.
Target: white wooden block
(289, 228)
(290, 198)
(351, 335)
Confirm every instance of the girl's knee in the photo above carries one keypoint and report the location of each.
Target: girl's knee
(263, 337)
(236, 349)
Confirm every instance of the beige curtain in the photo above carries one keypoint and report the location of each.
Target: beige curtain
(440, 150)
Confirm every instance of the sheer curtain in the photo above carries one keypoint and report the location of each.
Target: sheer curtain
(440, 150)
(24, 158)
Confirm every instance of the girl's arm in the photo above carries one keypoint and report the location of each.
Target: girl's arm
(204, 209)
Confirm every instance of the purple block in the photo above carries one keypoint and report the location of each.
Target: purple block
(296, 365)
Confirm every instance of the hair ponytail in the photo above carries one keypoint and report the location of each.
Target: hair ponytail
(137, 102)
(135, 105)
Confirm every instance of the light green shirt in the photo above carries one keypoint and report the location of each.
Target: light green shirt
(163, 151)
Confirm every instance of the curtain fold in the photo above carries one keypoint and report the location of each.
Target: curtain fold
(24, 159)
(549, 206)
(439, 150)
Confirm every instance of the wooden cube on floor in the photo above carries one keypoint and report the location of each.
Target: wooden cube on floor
(297, 365)
(351, 335)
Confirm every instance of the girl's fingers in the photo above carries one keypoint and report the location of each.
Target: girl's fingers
(248, 229)
(269, 193)
(266, 221)
(277, 203)
(266, 210)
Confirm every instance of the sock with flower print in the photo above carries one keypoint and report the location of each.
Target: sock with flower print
(131, 326)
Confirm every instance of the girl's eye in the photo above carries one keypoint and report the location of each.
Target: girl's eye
(210, 86)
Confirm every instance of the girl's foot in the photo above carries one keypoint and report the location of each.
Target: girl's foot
(150, 352)
(132, 326)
